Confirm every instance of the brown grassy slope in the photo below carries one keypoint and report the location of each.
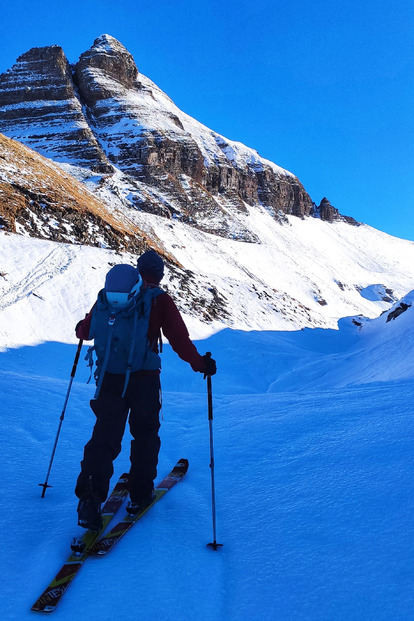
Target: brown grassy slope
(39, 198)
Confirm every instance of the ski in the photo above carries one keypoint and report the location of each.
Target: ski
(105, 543)
(81, 546)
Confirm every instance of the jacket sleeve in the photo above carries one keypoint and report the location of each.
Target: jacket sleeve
(175, 330)
(83, 327)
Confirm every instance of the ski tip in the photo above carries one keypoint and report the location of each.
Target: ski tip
(183, 463)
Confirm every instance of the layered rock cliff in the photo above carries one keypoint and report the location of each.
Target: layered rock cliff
(39, 106)
(102, 115)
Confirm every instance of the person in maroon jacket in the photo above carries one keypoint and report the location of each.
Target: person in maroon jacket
(133, 392)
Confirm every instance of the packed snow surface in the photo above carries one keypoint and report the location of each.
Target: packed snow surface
(313, 437)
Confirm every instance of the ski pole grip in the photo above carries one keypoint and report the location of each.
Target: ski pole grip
(209, 397)
(207, 355)
(75, 362)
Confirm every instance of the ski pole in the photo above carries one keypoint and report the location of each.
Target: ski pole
(62, 416)
(214, 543)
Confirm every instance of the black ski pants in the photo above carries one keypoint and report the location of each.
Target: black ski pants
(142, 404)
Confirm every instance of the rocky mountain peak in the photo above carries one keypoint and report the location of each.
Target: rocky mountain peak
(40, 72)
(115, 63)
(105, 43)
(101, 116)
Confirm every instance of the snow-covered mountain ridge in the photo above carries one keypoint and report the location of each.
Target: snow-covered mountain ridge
(237, 231)
(304, 273)
(102, 117)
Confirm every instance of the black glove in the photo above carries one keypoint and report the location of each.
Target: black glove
(210, 367)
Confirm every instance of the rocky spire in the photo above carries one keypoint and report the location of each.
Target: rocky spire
(326, 211)
(111, 59)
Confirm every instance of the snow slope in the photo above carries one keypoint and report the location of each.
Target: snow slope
(313, 445)
(309, 273)
(314, 488)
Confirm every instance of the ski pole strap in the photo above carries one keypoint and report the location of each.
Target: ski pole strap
(89, 360)
(111, 323)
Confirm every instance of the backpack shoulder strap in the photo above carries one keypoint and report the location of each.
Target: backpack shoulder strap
(111, 323)
(131, 353)
(156, 291)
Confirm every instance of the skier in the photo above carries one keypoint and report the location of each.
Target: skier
(125, 323)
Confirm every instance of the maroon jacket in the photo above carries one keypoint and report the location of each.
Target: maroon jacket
(164, 316)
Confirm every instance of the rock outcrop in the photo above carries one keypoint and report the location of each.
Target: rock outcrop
(102, 115)
(37, 198)
(39, 107)
(326, 211)
(398, 310)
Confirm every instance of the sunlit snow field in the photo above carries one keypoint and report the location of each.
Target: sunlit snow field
(313, 434)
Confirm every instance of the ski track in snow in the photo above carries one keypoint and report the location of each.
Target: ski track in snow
(53, 263)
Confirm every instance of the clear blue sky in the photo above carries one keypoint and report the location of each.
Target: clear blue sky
(323, 88)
